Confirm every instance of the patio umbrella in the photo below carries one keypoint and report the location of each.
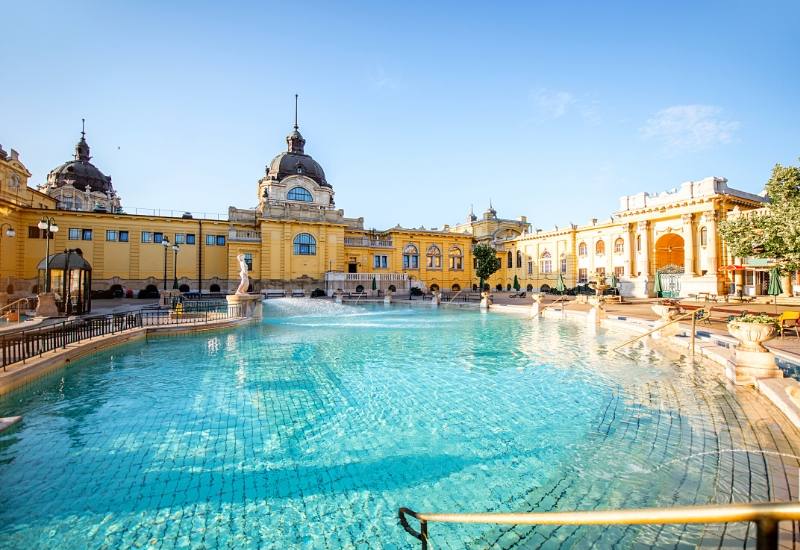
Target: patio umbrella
(516, 283)
(775, 287)
(374, 283)
(657, 288)
(613, 280)
(560, 284)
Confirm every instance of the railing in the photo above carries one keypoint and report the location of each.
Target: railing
(766, 516)
(339, 276)
(244, 235)
(697, 315)
(25, 344)
(10, 307)
(155, 212)
(374, 243)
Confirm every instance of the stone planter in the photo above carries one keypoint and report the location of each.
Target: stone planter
(752, 360)
(666, 314)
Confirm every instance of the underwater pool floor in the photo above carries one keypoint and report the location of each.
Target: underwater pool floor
(310, 429)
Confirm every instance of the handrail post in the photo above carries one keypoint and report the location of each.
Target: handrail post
(694, 326)
(767, 534)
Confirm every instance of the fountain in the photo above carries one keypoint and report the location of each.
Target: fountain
(597, 312)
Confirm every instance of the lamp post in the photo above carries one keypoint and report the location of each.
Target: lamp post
(48, 225)
(165, 242)
(175, 249)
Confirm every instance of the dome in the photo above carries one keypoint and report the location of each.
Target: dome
(80, 173)
(295, 162)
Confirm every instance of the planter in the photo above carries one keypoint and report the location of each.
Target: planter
(751, 335)
(752, 360)
(666, 314)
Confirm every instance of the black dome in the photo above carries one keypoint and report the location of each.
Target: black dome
(295, 161)
(80, 173)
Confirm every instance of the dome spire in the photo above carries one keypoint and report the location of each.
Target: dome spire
(295, 111)
(295, 140)
(82, 148)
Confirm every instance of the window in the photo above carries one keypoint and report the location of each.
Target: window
(74, 234)
(547, 263)
(619, 246)
(434, 254)
(67, 203)
(86, 235)
(410, 257)
(190, 238)
(456, 258)
(600, 247)
(638, 243)
(583, 276)
(220, 240)
(583, 250)
(35, 233)
(211, 240)
(78, 204)
(111, 235)
(510, 260)
(619, 272)
(703, 236)
(600, 271)
(563, 265)
(147, 237)
(248, 259)
(123, 236)
(381, 261)
(474, 263)
(519, 259)
(180, 238)
(158, 237)
(455, 288)
(305, 245)
(299, 194)
(530, 268)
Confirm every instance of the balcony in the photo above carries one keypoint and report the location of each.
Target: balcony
(244, 236)
(367, 242)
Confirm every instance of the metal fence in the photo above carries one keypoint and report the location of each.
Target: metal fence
(23, 345)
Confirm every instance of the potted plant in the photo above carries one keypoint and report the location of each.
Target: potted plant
(752, 330)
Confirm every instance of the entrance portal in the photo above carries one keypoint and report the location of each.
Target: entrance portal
(669, 251)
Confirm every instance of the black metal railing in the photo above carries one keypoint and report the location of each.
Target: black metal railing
(20, 346)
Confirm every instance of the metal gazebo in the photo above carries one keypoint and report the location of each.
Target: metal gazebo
(70, 280)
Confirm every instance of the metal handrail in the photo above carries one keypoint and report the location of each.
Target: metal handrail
(453, 298)
(692, 314)
(8, 306)
(766, 515)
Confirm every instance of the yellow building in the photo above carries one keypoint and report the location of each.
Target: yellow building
(296, 238)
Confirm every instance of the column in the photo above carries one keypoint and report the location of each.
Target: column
(786, 281)
(644, 231)
(688, 245)
(738, 277)
(712, 250)
(628, 255)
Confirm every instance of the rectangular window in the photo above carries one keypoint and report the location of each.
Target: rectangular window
(380, 262)
(74, 234)
(547, 266)
(474, 263)
(147, 236)
(34, 232)
(248, 259)
(190, 238)
(87, 235)
(123, 236)
(220, 240)
(211, 240)
(111, 235)
(455, 262)
(619, 271)
(179, 238)
(563, 265)
(600, 271)
(583, 275)
(158, 237)
(530, 268)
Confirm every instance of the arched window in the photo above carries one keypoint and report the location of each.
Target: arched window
(583, 250)
(703, 236)
(183, 288)
(519, 259)
(546, 262)
(638, 243)
(434, 287)
(455, 288)
(619, 246)
(456, 258)
(600, 247)
(434, 254)
(529, 288)
(78, 203)
(305, 245)
(410, 257)
(510, 260)
(67, 203)
(299, 194)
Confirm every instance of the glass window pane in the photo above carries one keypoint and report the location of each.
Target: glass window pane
(111, 235)
(123, 236)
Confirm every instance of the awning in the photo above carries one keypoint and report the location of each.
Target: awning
(732, 268)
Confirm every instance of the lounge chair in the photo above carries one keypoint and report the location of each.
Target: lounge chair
(789, 321)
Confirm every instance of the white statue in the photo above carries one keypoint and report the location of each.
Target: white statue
(245, 284)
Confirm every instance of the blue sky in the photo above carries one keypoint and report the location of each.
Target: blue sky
(414, 110)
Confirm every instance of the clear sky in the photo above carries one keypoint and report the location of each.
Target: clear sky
(414, 110)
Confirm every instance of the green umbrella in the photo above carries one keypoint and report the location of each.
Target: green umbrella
(613, 280)
(516, 283)
(775, 287)
(657, 288)
(560, 284)
(374, 283)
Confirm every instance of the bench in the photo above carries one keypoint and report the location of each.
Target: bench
(722, 315)
(355, 294)
(707, 296)
(274, 294)
(298, 294)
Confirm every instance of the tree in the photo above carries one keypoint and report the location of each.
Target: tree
(775, 232)
(488, 262)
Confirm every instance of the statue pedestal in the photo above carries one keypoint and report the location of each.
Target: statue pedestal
(746, 366)
(597, 313)
(387, 300)
(486, 300)
(435, 300)
(251, 304)
(47, 305)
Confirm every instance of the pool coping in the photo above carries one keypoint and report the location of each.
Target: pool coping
(21, 373)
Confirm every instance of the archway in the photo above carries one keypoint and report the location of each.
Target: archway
(669, 251)
(183, 288)
(214, 288)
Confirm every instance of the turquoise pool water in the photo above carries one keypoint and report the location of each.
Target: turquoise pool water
(310, 429)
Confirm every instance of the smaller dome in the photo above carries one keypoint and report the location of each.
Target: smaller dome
(295, 162)
(80, 173)
(62, 259)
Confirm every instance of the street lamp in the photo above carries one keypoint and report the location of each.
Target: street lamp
(175, 248)
(48, 225)
(165, 242)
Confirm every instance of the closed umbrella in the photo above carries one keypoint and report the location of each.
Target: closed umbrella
(560, 284)
(516, 283)
(775, 287)
(657, 288)
(374, 283)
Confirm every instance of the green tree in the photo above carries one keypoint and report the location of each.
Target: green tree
(488, 262)
(775, 232)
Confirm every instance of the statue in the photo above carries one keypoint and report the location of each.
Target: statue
(245, 284)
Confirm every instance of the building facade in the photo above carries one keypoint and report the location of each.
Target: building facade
(297, 238)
